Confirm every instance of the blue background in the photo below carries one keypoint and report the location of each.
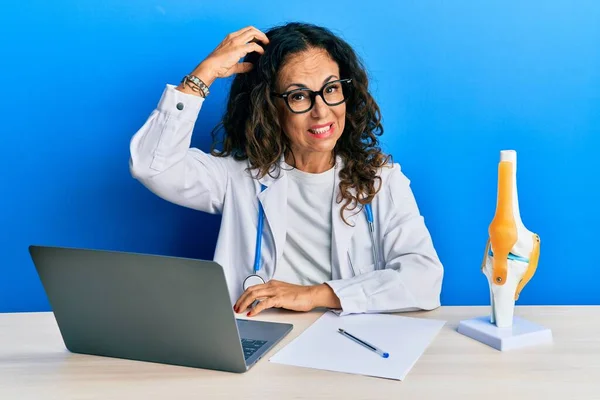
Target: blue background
(457, 82)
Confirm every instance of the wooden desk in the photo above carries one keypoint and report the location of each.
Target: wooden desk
(34, 364)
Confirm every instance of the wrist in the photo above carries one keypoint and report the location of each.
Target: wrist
(185, 89)
(324, 296)
(194, 85)
(205, 73)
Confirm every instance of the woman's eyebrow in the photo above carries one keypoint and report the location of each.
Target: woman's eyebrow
(302, 85)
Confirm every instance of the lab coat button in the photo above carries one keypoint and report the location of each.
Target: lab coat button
(179, 106)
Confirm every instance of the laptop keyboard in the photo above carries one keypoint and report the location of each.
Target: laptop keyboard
(250, 346)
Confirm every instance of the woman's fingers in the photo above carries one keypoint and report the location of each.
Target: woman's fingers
(242, 300)
(242, 68)
(231, 64)
(246, 300)
(262, 305)
(250, 47)
(252, 34)
(240, 32)
(251, 294)
(224, 60)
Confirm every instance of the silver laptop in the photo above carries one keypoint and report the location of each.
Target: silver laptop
(150, 308)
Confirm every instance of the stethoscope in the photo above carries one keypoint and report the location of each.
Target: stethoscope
(255, 279)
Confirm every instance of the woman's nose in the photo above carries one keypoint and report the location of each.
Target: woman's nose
(320, 108)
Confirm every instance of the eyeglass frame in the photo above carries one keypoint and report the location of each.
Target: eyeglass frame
(313, 95)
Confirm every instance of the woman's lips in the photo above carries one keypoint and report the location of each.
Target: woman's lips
(322, 132)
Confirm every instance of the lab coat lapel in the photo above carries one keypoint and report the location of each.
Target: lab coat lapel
(341, 233)
(274, 203)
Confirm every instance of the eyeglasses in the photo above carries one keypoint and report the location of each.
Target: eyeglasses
(302, 100)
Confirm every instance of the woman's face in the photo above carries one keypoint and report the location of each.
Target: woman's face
(315, 132)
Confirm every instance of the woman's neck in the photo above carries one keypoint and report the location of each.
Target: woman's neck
(313, 163)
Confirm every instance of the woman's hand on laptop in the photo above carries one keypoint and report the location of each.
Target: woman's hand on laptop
(286, 295)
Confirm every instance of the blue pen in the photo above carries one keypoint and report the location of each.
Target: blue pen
(363, 343)
(369, 212)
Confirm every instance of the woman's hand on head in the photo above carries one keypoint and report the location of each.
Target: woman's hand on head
(279, 294)
(224, 59)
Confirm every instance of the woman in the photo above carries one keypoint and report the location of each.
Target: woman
(299, 174)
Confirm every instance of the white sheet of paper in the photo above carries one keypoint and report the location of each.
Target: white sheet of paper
(321, 346)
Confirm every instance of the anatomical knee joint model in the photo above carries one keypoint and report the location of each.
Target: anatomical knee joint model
(512, 251)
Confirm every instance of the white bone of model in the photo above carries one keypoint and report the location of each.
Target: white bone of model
(507, 277)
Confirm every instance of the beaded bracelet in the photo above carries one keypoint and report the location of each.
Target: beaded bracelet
(196, 84)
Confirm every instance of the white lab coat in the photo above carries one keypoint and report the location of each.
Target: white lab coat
(410, 273)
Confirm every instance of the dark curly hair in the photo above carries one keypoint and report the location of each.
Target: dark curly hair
(251, 126)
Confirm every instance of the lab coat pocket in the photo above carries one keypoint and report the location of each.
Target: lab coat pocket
(359, 266)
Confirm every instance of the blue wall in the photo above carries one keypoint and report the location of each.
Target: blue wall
(457, 82)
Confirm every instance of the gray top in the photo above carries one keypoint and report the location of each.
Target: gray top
(307, 252)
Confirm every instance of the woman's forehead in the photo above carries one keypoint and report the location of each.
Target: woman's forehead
(313, 65)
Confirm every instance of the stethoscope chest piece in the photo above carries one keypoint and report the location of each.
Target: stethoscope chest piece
(252, 280)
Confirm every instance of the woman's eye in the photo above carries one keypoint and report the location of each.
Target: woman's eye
(297, 97)
(332, 88)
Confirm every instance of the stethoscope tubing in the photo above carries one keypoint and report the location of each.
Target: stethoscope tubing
(255, 277)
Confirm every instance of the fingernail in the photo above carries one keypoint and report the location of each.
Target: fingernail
(247, 315)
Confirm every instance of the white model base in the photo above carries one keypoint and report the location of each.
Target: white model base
(521, 334)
